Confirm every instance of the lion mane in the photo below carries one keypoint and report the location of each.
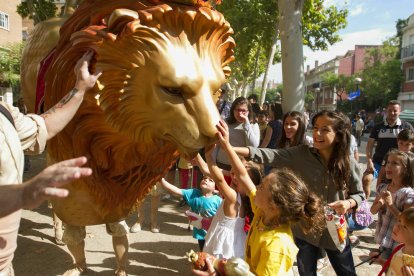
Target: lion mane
(114, 125)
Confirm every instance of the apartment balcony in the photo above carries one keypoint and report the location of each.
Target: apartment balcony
(407, 53)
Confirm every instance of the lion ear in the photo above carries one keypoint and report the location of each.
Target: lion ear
(119, 18)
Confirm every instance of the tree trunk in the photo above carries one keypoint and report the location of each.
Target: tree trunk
(32, 12)
(255, 69)
(269, 64)
(290, 23)
(244, 89)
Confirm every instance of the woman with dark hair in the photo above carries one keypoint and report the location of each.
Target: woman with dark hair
(294, 131)
(329, 172)
(243, 133)
(274, 128)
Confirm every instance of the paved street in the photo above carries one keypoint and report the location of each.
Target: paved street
(150, 254)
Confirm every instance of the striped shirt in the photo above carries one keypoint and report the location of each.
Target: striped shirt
(386, 219)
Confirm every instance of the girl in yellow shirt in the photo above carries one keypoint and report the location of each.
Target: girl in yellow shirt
(280, 200)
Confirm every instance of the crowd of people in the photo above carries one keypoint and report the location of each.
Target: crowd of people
(267, 192)
(328, 165)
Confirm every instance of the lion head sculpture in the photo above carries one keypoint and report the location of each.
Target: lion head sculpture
(163, 65)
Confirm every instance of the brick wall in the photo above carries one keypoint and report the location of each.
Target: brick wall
(346, 66)
(359, 58)
(14, 33)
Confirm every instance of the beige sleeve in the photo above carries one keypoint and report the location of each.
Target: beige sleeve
(31, 129)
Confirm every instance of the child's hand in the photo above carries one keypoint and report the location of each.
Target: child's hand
(223, 134)
(407, 270)
(210, 270)
(194, 161)
(387, 198)
(244, 117)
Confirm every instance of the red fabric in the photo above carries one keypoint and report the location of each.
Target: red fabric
(246, 224)
(388, 262)
(185, 176)
(40, 86)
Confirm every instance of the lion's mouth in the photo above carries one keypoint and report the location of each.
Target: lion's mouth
(188, 148)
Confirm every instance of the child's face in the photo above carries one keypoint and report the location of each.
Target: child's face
(207, 185)
(291, 127)
(263, 199)
(403, 232)
(323, 133)
(261, 118)
(404, 146)
(240, 112)
(394, 167)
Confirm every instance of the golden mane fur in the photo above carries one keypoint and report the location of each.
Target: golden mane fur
(120, 136)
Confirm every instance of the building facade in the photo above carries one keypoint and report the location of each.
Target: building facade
(406, 96)
(10, 32)
(325, 97)
(10, 22)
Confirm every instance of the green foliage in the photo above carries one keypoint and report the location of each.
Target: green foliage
(255, 25)
(341, 82)
(401, 23)
(38, 10)
(272, 95)
(321, 25)
(382, 75)
(309, 99)
(10, 58)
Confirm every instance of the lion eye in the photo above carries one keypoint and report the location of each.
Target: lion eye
(173, 91)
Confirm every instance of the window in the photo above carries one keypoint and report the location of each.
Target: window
(4, 21)
(410, 74)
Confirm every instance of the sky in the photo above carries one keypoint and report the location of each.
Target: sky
(370, 22)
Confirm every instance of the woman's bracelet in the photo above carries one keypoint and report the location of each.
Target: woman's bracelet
(350, 203)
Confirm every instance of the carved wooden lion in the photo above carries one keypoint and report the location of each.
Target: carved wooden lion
(163, 65)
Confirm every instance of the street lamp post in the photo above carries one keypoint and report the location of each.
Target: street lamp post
(317, 90)
(357, 82)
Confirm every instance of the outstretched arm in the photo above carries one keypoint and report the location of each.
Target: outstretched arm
(57, 117)
(199, 162)
(170, 188)
(242, 151)
(218, 177)
(43, 186)
(239, 169)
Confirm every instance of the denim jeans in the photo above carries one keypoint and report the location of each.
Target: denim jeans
(342, 263)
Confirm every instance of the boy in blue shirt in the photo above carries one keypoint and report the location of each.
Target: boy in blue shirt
(202, 201)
